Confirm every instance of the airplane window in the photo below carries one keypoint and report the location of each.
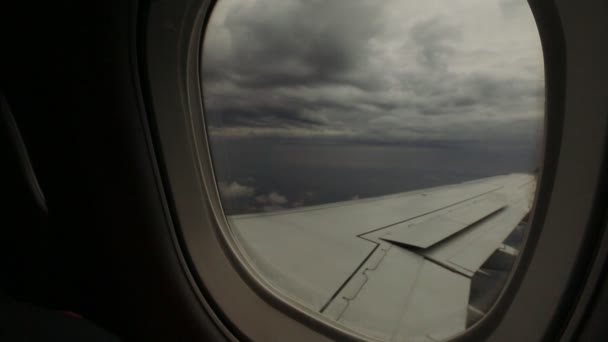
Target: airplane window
(377, 161)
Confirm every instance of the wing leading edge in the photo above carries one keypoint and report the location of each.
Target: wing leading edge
(396, 267)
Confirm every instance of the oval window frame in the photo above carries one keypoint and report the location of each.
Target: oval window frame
(229, 288)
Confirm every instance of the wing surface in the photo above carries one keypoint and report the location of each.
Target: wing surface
(396, 267)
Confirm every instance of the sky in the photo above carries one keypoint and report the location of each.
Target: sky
(310, 101)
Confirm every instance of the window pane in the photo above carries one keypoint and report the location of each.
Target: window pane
(377, 159)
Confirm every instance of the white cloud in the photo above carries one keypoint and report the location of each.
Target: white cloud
(274, 199)
(235, 190)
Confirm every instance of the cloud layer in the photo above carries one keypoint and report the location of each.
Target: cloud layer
(368, 70)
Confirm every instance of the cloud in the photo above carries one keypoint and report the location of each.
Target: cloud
(273, 199)
(271, 202)
(435, 41)
(373, 71)
(240, 198)
(281, 41)
(235, 190)
(268, 114)
(513, 8)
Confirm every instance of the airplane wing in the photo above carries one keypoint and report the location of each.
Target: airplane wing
(394, 267)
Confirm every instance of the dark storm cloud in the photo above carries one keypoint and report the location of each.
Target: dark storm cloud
(480, 93)
(368, 71)
(273, 115)
(285, 43)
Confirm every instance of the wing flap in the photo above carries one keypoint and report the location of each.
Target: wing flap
(470, 249)
(472, 256)
(378, 305)
(441, 226)
(398, 296)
